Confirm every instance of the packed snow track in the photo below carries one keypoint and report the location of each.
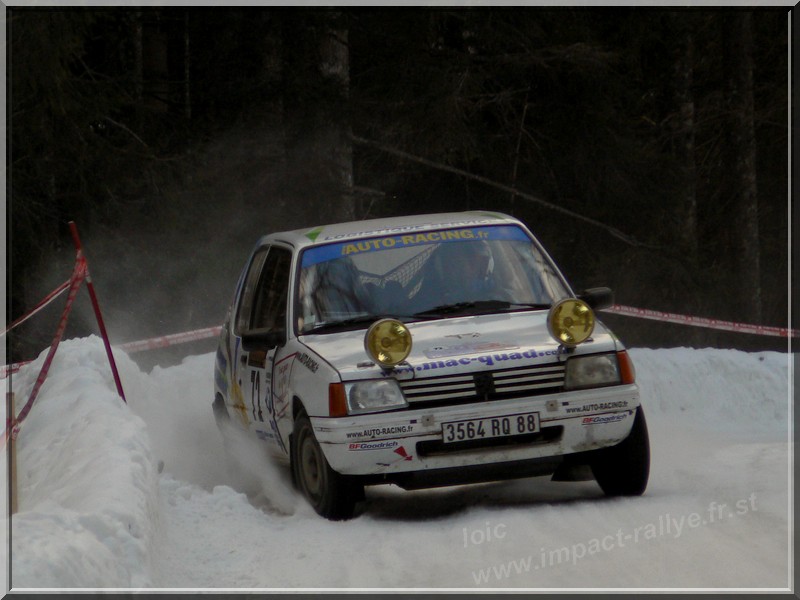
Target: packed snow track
(143, 496)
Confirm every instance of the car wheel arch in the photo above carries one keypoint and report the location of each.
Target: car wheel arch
(297, 407)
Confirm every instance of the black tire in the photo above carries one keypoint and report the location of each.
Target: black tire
(331, 494)
(623, 470)
(221, 416)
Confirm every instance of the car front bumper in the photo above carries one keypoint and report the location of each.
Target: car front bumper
(394, 445)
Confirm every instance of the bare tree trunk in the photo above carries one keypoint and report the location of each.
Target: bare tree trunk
(138, 68)
(518, 146)
(683, 126)
(335, 68)
(316, 87)
(155, 64)
(738, 48)
(187, 63)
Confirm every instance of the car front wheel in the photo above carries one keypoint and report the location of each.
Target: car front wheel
(332, 495)
(623, 470)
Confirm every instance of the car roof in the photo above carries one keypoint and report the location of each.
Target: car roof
(323, 234)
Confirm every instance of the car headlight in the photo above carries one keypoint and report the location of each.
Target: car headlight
(373, 396)
(594, 370)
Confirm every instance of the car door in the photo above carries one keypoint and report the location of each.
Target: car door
(262, 326)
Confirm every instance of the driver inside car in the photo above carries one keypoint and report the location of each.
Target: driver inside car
(331, 289)
(458, 272)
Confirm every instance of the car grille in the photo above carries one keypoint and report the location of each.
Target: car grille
(446, 390)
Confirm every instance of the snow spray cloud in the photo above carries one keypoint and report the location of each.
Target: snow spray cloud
(170, 261)
(254, 474)
(665, 526)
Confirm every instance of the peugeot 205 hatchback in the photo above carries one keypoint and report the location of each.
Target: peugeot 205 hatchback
(425, 351)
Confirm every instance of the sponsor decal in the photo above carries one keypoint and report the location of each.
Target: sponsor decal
(378, 431)
(412, 240)
(487, 359)
(312, 256)
(404, 228)
(257, 359)
(280, 390)
(459, 349)
(308, 362)
(314, 234)
(403, 454)
(601, 419)
(598, 406)
(222, 359)
(221, 373)
(381, 445)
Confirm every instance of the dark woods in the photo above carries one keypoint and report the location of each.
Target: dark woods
(646, 148)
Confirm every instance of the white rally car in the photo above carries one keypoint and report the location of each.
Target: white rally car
(425, 351)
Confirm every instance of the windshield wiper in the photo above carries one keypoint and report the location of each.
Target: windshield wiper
(478, 305)
(327, 325)
(360, 320)
(531, 305)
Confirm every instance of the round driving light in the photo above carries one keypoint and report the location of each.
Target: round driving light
(388, 342)
(570, 322)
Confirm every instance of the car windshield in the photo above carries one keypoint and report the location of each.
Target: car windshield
(423, 275)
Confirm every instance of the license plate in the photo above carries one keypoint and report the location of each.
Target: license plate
(490, 427)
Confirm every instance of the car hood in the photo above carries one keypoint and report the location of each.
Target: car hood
(459, 344)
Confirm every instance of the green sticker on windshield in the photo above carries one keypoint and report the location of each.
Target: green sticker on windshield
(314, 233)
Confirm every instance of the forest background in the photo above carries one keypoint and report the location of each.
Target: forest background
(647, 148)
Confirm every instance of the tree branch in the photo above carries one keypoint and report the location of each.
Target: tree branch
(628, 239)
(125, 128)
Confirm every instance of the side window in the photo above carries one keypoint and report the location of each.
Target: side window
(263, 304)
(248, 293)
(272, 292)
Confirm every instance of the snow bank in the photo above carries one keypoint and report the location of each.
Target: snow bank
(718, 390)
(86, 478)
(92, 505)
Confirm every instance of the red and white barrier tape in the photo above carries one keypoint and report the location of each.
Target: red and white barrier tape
(12, 368)
(142, 345)
(47, 300)
(78, 276)
(171, 340)
(655, 315)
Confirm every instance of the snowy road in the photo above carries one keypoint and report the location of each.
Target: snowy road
(715, 515)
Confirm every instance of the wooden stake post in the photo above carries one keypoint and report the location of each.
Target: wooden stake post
(12, 459)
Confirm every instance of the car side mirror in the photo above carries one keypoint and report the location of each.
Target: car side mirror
(598, 298)
(266, 340)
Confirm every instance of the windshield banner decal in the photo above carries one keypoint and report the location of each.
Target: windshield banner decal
(333, 251)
